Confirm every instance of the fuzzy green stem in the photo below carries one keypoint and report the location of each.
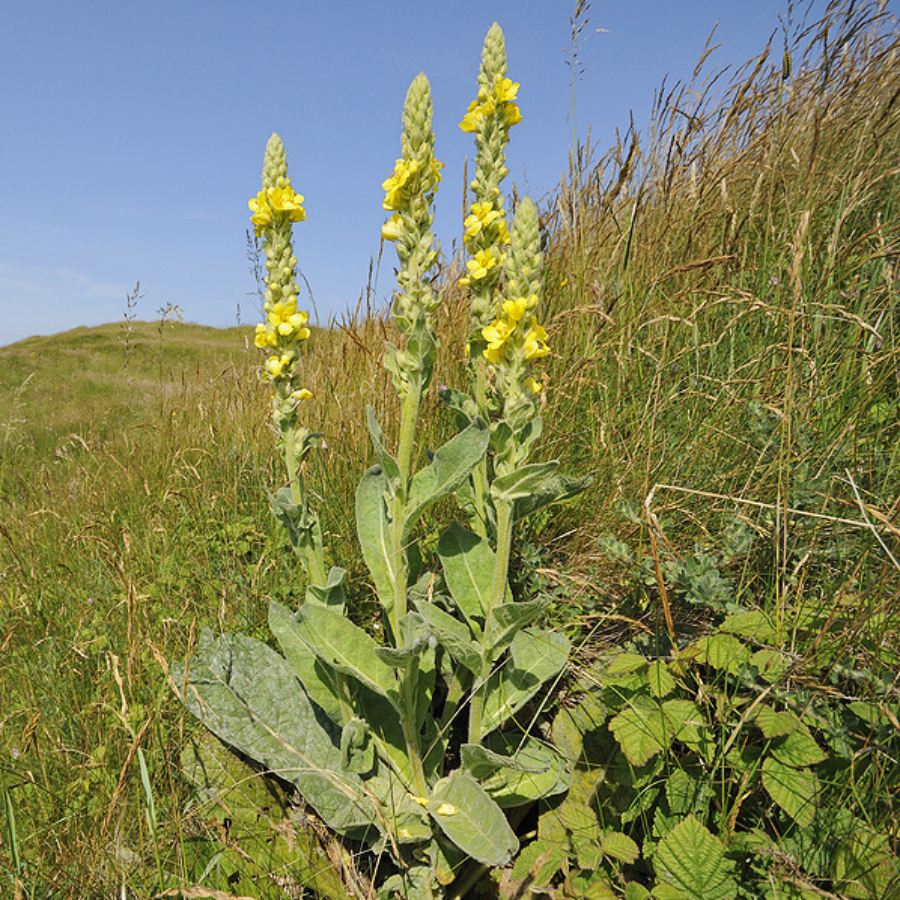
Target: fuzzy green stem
(313, 553)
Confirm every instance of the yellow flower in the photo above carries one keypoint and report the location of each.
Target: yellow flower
(480, 266)
(535, 341)
(506, 89)
(393, 228)
(515, 309)
(397, 186)
(302, 394)
(280, 200)
(274, 365)
(532, 385)
(482, 215)
(496, 334)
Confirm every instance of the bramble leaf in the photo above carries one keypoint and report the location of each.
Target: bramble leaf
(794, 790)
(692, 860)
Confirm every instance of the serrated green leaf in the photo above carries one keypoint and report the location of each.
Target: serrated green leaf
(449, 467)
(535, 657)
(507, 619)
(661, 681)
(774, 723)
(870, 713)
(772, 664)
(248, 696)
(468, 817)
(626, 663)
(754, 624)
(580, 820)
(798, 748)
(794, 790)
(723, 651)
(373, 526)
(619, 846)
(532, 858)
(468, 564)
(641, 730)
(693, 861)
(347, 648)
(688, 725)
(636, 891)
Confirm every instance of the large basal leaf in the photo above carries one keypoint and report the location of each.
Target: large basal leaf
(693, 861)
(469, 818)
(347, 648)
(535, 657)
(468, 564)
(374, 529)
(449, 467)
(247, 695)
(799, 748)
(319, 680)
(794, 790)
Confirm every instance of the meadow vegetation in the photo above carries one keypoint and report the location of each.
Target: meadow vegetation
(721, 299)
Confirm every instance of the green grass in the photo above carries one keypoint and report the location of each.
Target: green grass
(724, 317)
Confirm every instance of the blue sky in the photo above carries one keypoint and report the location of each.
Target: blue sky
(133, 132)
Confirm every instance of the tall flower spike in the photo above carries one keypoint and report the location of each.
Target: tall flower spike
(489, 117)
(274, 209)
(409, 195)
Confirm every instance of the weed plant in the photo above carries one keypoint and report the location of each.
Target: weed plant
(724, 319)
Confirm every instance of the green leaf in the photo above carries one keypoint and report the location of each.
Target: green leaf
(619, 846)
(723, 651)
(248, 696)
(448, 469)
(556, 489)
(535, 771)
(347, 648)
(389, 467)
(415, 633)
(774, 723)
(507, 619)
(661, 681)
(469, 818)
(641, 730)
(798, 748)
(772, 664)
(331, 593)
(755, 624)
(626, 663)
(319, 681)
(453, 635)
(524, 482)
(535, 657)
(794, 790)
(374, 529)
(468, 563)
(692, 860)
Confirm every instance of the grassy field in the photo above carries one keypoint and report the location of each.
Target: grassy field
(721, 298)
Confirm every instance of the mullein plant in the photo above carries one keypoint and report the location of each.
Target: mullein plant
(413, 746)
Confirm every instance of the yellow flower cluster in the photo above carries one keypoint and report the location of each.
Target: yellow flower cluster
(481, 265)
(485, 221)
(279, 200)
(501, 100)
(508, 336)
(401, 185)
